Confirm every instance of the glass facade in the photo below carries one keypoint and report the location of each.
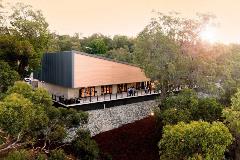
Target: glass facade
(121, 88)
(87, 92)
(106, 89)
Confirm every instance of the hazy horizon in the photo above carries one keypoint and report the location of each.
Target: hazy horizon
(111, 17)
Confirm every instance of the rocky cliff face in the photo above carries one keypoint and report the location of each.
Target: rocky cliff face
(109, 118)
(106, 119)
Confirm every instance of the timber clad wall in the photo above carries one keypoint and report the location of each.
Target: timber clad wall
(91, 71)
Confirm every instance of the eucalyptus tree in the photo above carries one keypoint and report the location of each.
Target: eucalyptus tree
(161, 59)
(27, 118)
(25, 39)
(168, 51)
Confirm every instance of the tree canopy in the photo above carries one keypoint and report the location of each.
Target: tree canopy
(196, 140)
(24, 39)
(186, 106)
(7, 76)
(27, 115)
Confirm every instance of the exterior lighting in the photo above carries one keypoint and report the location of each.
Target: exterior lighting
(152, 113)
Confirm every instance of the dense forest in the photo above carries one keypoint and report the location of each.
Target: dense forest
(200, 122)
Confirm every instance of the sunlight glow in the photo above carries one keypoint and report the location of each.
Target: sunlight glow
(209, 34)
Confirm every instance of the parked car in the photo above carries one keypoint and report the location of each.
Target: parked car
(27, 79)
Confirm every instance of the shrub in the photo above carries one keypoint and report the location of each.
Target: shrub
(57, 155)
(18, 155)
(84, 147)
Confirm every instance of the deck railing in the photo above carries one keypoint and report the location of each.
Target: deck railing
(101, 98)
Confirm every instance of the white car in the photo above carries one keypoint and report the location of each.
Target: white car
(27, 79)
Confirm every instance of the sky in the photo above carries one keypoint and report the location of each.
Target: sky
(129, 17)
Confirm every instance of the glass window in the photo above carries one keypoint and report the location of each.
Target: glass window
(106, 89)
(87, 92)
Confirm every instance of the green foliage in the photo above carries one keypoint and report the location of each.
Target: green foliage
(124, 42)
(186, 106)
(40, 156)
(57, 155)
(186, 99)
(208, 109)
(21, 88)
(120, 54)
(170, 53)
(27, 115)
(232, 120)
(16, 114)
(18, 53)
(85, 41)
(64, 43)
(7, 76)
(228, 71)
(18, 155)
(161, 59)
(26, 39)
(30, 25)
(96, 46)
(23, 154)
(232, 114)
(84, 147)
(196, 140)
(174, 115)
(73, 118)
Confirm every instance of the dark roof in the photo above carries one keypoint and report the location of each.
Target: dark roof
(97, 56)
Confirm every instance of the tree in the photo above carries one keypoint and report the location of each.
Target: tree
(25, 40)
(96, 46)
(166, 50)
(18, 155)
(17, 115)
(84, 147)
(228, 71)
(28, 118)
(7, 76)
(29, 24)
(17, 53)
(120, 54)
(57, 155)
(120, 41)
(232, 120)
(161, 60)
(186, 106)
(64, 43)
(196, 140)
(85, 41)
(179, 107)
(208, 109)
(184, 31)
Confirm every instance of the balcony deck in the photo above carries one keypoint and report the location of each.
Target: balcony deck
(108, 100)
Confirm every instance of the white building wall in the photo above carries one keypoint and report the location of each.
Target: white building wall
(59, 90)
(114, 89)
(54, 89)
(98, 91)
(73, 92)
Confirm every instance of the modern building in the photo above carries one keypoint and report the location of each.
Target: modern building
(74, 74)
